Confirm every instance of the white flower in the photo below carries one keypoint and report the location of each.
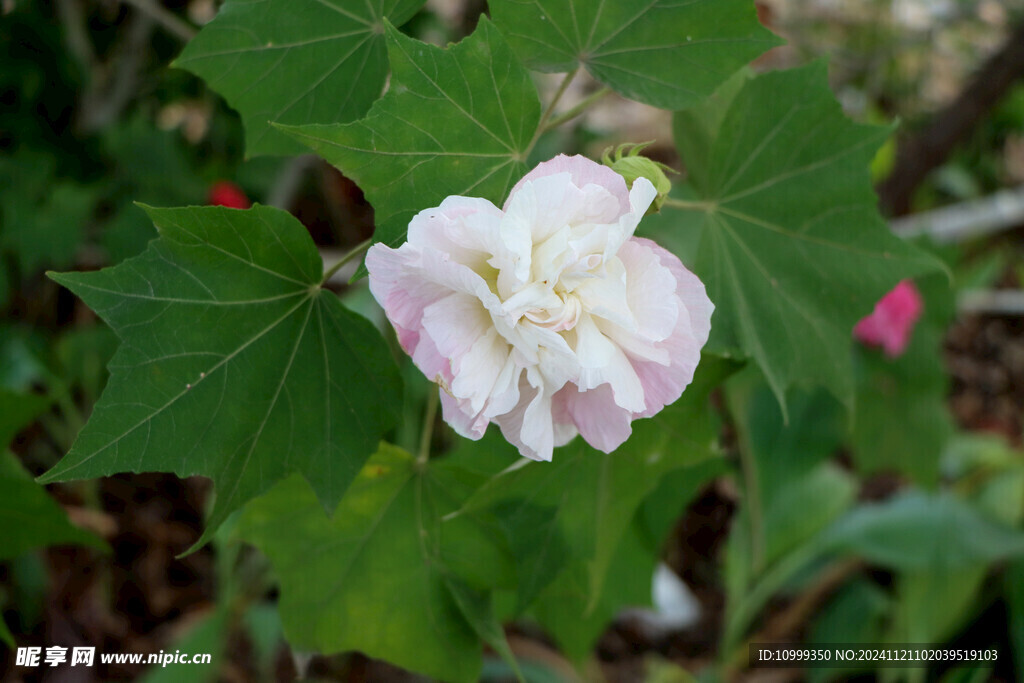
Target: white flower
(548, 317)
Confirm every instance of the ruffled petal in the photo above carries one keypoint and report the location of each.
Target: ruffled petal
(664, 385)
(547, 317)
(583, 172)
(600, 420)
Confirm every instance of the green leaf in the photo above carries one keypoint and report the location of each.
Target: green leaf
(16, 411)
(295, 62)
(661, 52)
(667, 502)
(234, 363)
(793, 251)
(577, 507)
(782, 452)
(478, 609)
(918, 617)
(456, 121)
(30, 518)
(855, 614)
(376, 578)
(569, 610)
(915, 532)
(785, 473)
(42, 218)
(207, 635)
(143, 157)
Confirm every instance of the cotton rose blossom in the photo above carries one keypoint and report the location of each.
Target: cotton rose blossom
(891, 323)
(226, 193)
(546, 317)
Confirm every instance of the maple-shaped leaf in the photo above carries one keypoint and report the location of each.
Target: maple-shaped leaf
(669, 53)
(456, 121)
(234, 364)
(792, 249)
(295, 61)
(387, 575)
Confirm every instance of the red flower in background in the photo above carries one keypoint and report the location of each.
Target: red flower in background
(226, 193)
(892, 322)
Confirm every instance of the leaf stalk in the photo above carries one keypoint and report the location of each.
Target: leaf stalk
(356, 251)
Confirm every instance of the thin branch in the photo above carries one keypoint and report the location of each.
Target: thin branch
(542, 124)
(429, 416)
(171, 22)
(76, 36)
(577, 109)
(991, 302)
(356, 251)
(966, 220)
(919, 155)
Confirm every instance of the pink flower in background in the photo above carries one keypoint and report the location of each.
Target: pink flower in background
(546, 317)
(892, 321)
(226, 193)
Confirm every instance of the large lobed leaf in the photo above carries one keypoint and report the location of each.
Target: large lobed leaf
(234, 363)
(456, 121)
(669, 53)
(568, 522)
(391, 575)
(295, 61)
(793, 251)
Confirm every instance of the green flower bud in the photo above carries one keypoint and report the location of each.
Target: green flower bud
(630, 165)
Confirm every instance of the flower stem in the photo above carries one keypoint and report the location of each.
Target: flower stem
(542, 124)
(578, 109)
(429, 415)
(688, 205)
(356, 251)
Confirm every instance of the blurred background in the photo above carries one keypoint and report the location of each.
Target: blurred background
(92, 119)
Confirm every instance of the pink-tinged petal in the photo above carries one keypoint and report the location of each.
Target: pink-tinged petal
(400, 292)
(647, 289)
(466, 228)
(542, 208)
(664, 385)
(689, 289)
(529, 426)
(546, 318)
(479, 371)
(462, 420)
(607, 297)
(583, 172)
(604, 363)
(601, 422)
(606, 239)
(891, 323)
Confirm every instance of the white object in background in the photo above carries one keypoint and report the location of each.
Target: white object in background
(675, 605)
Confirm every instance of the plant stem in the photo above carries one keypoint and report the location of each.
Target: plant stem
(743, 613)
(429, 415)
(578, 109)
(356, 251)
(688, 205)
(542, 124)
(172, 24)
(752, 490)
